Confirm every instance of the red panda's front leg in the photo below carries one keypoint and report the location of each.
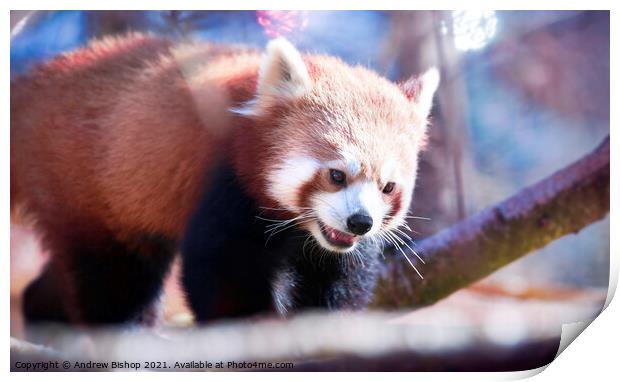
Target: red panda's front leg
(226, 266)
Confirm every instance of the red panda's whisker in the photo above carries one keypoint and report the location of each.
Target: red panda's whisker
(281, 228)
(319, 252)
(303, 218)
(276, 230)
(357, 254)
(409, 217)
(275, 226)
(378, 243)
(407, 245)
(282, 221)
(396, 229)
(403, 224)
(405, 236)
(406, 257)
(406, 226)
(408, 260)
(303, 248)
(270, 220)
(388, 239)
(283, 209)
(416, 217)
(397, 238)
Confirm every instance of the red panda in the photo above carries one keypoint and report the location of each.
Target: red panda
(277, 175)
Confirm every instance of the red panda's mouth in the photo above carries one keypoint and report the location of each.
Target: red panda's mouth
(336, 237)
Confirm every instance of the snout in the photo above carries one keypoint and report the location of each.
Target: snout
(359, 223)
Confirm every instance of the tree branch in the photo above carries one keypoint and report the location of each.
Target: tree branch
(563, 203)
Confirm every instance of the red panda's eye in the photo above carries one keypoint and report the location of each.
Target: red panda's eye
(389, 187)
(338, 177)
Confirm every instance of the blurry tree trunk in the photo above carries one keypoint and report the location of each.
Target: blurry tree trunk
(452, 97)
(416, 43)
(412, 46)
(563, 203)
(102, 23)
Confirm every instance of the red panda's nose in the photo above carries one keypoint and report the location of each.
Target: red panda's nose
(359, 224)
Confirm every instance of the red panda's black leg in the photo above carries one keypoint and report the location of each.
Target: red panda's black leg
(226, 269)
(118, 282)
(226, 283)
(100, 281)
(42, 300)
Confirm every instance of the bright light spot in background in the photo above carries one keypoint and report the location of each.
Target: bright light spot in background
(282, 23)
(473, 29)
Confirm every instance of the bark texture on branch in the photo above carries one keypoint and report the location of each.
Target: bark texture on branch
(563, 203)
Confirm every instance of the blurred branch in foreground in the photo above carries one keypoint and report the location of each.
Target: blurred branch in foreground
(360, 341)
(563, 203)
(487, 334)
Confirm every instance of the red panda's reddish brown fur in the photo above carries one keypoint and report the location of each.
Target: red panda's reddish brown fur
(78, 155)
(81, 157)
(117, 140)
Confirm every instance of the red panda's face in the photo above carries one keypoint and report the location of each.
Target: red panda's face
(344, 145)
(347, 199)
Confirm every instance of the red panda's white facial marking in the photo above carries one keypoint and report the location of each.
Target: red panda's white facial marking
(353, 164)
(286, 178)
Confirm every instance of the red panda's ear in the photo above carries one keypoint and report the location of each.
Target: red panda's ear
(421, 89)
(283, 74)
